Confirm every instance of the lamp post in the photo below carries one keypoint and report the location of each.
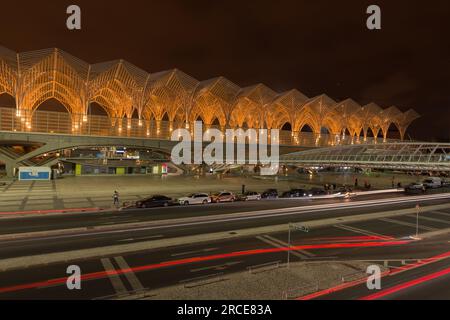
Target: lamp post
(417, 220)
(289, 246)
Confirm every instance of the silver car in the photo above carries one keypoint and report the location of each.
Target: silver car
(251, 196)
(195, 198)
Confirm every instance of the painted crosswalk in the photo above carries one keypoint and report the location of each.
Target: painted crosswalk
(136, 285)
(118, 285)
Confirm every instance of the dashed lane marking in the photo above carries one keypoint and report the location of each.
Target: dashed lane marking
(217, 267)
(143, 238)
(193, 252)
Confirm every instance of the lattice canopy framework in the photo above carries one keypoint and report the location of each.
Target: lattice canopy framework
(398, 155)
(127, 92)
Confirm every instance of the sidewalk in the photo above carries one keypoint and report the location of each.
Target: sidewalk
(96, 192)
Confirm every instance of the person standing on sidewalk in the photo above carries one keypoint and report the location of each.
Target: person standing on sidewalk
(116, 198)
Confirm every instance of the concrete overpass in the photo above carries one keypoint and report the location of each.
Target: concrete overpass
(45, 143)
(415, 156)
(42, 143)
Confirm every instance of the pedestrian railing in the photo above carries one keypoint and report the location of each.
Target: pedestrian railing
(52, 122)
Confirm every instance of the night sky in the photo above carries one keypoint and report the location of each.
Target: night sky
(315, 46)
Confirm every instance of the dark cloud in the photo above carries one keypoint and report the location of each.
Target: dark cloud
(315, 46)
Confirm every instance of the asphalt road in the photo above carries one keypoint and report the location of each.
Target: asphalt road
(25, 224)
(94, 238)
(428, 282)
(150, 274)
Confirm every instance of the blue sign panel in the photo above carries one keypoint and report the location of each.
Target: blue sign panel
(34, 173)
(30, 176)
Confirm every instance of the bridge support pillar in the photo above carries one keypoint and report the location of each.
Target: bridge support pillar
(10, 170)
(10, 167)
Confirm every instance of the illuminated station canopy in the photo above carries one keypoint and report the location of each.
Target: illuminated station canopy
(126, 92)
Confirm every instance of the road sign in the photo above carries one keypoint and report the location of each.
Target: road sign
(299, 227)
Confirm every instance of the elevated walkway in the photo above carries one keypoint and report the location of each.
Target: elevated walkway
(414, 156)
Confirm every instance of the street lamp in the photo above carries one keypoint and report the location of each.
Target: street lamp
(417, 221)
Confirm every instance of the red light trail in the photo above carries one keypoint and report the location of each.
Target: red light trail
(172, 263)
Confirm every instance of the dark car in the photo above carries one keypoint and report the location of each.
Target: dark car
(154, 201)
(345, 189)
(270, 194)
(415, 188)
(316, 192)
(294, 193)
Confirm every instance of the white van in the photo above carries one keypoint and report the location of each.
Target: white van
(432, 183)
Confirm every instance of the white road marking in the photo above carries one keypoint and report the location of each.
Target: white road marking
(441, 213)
(193, 252)
(116, 282)
(422, 217)
(276, 245)
(131, 276)
(142, 238)
(151, 237)
(306, 253)
(407, 224)
(360, 231)
(217, 267)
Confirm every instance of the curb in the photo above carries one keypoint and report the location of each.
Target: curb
(45, 212)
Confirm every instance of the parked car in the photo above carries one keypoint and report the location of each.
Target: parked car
(314, 192)
(224, 196)
(270, 194)
(415, 188)
(445, 183)
(432, 183)
(250, 196)
(154, 201)
(345, 189)
(195, 198)
(295, 193)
